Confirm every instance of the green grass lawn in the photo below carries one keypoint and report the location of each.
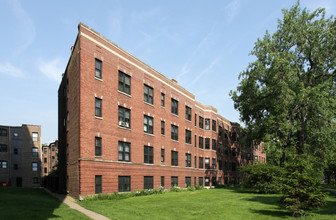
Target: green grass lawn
(29, 203)
(203, 204)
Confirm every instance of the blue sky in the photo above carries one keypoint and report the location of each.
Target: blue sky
(202, 44)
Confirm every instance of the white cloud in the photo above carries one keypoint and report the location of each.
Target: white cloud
(11, 70)
(231, 10)
(53, 69)
(26, 27)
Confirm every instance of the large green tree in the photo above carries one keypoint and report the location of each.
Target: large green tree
(287, 96)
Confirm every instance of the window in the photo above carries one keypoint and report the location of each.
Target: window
(207, 124)
(195, 119)
(187, 181)
(16, 151)
(16, 166)
(148, 124)
(45, 160)
(214, 144)
(188, 136)
(195, 140)
(124, 83)
(200, 162)
(200, 142)
(98, 184)
(174, 132)
(3, 148)
(3, 132)
(162, 155)
(45, 170)
(174, 158)
(35, 136)
(162, 99)
(201, 121)
(3, 164)
(34, 166)
(148, 154)
(207, 143)
(148, 94)
(124, 183)
(213, 125)
(188, 113)
(174, 106)
(35, 180)
(98, 146)
(207, 163)
(34, 152)
(98, 68)
(162, 181)
(45, 150)
(200, 181)
(148, 182)
(124, 117)
(124, 151)
(195, 161)
(174, 181)
(220, 131)
(162, 127)
(213, 163)
(98, 107)
(53, 159)
(188, 160)
(207, 181)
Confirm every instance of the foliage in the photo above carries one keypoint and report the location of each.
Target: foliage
(198, 187)
(301, 188)
(263, 178)
(203, 204)
(286, 97)
(330, 170)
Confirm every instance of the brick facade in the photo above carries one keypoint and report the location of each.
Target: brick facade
(49, 158)
(82, 125)
(21, 153)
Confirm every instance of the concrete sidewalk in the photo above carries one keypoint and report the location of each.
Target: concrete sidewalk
(72, 204)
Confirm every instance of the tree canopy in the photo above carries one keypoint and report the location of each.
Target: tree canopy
(287, 96)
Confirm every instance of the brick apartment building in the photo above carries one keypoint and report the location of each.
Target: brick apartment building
(49, 158)
(20, 155)
(123, 126)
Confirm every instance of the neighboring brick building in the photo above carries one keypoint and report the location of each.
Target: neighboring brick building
(20, 155)
(123, 126)
(49, 158)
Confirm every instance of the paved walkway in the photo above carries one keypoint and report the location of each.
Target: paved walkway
(72, 204)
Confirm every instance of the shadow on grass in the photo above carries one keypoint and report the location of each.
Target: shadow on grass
(28, 203)
(330, 207)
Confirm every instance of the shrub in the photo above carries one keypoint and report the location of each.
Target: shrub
(301, 188)
(262, 178)
(189, 188)
(198, 187)
(175, 189)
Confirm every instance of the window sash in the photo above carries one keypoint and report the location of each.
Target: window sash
(148, 182)
(201, 121)
(148, 94)
(98, 107)
(124, 83)
(188, 160)
(162, 127)
(207, 124)
(174, 158)
(148, 124)
(174, 132)
(148, 154)
(174, 181)
(98, 145)
(188, 137)
(98, 184)
(207, 143)
(188, 113)
(124, 183)
(162, 155)
(98, 68)
(162, 99)
(124, 117)
(200, 162)
(174, 106)
(200, 142)
(124, 151)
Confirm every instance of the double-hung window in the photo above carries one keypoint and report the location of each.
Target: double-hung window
(35, 136)
(188, 160)
(188, 136)
(207, 163)
(98, 146)
(174, 132)
(207, 143)
(98, 184)
(148, 182)
(162, 155)
(98, 68)
(124, 183)
(207, 124)
(201, 121)
(188, 113)
(174, 181)
(124, 151)
(35, 152)
(3, 148)
(214, 144)
(98, 107)
(214, 125)
(148, 94)
(124, 83)
(174, 106)
(162, 99)
(148, 154)
(174, 158)
(200, 142)
(34, 166)
(148, 124)
(200, 162)
(124, 117)
(162, 127)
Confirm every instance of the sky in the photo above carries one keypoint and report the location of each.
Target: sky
(204, 45)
